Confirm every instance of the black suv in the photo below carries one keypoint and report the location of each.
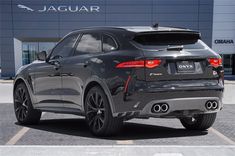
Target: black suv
(113, 74)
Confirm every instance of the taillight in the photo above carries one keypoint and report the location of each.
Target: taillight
(131, 64)
(152, 63)
(140, 64)
(215, 62)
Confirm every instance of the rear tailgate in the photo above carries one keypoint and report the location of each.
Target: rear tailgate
(177, 65)
(183, 56)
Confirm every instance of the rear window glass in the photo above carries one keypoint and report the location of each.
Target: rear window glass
(164, 40)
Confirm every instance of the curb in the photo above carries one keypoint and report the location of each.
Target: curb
(6, 81)
(229, 82)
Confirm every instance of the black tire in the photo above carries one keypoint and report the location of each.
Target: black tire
(98, 114)
(24, 111)
(199, 122)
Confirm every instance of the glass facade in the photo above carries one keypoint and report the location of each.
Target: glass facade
(51, 25)
(29, 50)
(228, 63)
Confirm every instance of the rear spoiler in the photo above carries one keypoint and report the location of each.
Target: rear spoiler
(195, 34)
(166, 37)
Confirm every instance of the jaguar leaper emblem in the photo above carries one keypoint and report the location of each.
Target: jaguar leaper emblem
(24, 7)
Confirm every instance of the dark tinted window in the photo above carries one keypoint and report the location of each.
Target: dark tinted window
(161, 40)
(89, 43)
(108, 43)
(64, 48)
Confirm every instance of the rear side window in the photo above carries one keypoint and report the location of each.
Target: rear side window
(108, 43)
(161, 40)
(89, 43)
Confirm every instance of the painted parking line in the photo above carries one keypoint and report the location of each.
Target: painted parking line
(223, 137)
(125, 142)
(19, 135)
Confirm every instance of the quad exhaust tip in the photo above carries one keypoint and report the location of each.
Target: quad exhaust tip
(211, 105)
(214, 105)
(164, 108)
(160, 108)
(156, 108)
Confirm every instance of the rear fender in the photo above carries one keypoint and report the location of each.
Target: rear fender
(106, 90)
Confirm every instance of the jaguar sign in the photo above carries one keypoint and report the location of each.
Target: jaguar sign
(63, 8)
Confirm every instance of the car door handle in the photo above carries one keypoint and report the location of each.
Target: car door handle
(85, 64)
(67, 74)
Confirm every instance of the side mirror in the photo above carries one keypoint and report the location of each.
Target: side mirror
(41, 56)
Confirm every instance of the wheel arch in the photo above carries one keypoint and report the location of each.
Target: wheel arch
(22, 80)
(17, 82)
(97, 82)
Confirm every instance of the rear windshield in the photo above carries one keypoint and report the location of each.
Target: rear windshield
(164, 40)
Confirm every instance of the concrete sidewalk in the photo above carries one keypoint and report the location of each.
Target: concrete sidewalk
(6, 91)
(117, 150)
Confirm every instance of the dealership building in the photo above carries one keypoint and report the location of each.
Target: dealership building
(30, 26)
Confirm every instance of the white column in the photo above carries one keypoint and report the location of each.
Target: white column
(17, 53)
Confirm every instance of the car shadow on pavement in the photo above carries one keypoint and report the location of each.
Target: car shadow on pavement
(130, 131)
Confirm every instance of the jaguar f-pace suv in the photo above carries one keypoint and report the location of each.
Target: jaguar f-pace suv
(113, 74)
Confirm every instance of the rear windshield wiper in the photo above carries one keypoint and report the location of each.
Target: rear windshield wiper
(178, 48)
(172, 48)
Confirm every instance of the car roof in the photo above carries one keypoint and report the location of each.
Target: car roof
(135, 29)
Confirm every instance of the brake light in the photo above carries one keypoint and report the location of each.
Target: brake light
(131, 64)
(152, 63)
(140, 64)
(215, 62)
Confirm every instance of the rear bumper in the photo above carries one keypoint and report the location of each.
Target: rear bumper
(181, 107)
(186, 101)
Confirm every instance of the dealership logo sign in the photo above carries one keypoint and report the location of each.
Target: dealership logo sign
(24, 7)
(222, 41)
(63, 8)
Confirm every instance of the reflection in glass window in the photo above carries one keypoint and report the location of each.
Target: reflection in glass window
(108, 43)
(64, 48)
(46, 46)
(89, 43)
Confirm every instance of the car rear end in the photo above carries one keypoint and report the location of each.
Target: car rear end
(182, 76)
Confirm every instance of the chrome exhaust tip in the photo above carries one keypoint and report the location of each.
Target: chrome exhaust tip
(164, 108)
(214, 104)
(156, 108)
(209, 105)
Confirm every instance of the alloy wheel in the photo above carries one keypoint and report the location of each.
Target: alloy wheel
(95, 111)
(21, 104)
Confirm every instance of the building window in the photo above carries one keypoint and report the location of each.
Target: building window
(228, 63)
(29, 50)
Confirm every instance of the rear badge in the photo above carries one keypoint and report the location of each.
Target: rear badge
(155, 74)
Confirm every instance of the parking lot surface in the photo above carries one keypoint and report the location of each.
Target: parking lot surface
(57, 129)
(60, 129)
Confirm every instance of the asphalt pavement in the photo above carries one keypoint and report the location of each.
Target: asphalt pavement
(163, 137)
